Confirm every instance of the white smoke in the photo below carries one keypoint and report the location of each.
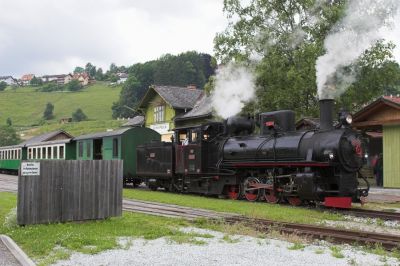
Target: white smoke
(234, 87)
(364, 23)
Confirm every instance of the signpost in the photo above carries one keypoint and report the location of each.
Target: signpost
(30, 169)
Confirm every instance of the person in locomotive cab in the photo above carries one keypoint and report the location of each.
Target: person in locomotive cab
(378, 170)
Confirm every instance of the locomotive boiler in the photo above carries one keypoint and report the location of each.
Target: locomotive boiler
(277, 164)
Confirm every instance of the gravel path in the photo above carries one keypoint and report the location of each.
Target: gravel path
(8, 183)
(237, 250)
(6, 258)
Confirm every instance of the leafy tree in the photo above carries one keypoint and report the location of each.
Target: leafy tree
(128, 98)
(287, 40)
(99, 74)
(8, 136)
(79, 69)
(74, 85)
(36, 81)
(79, 115)
(3, 85)
(48, 112)
(9, 122)
(91, 70)
(114, 78)
(113, 68)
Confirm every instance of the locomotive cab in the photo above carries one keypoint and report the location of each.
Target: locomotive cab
(196, 151)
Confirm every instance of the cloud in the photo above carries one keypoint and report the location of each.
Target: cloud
(45, 37)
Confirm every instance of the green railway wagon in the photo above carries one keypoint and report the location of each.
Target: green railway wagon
(63, 149)
(118, 144)
(10, 158)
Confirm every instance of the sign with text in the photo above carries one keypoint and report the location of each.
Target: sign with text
(30, 168)
(160, 128)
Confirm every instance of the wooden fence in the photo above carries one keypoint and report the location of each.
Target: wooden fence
(69, 191)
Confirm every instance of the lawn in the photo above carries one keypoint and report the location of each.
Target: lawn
(25, 106)
(49, 243)
(251, 209)
(76, 128)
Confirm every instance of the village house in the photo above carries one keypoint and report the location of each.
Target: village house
(83, 78)
(59, 79)
(122, 77)
(202, 112)
(26, 79)
(162, 104)
(9, 80)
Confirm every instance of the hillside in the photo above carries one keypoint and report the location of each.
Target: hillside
(25, 106)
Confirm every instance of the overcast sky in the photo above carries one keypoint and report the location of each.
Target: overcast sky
(54, 36)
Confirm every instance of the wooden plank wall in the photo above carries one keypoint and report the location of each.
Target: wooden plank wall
(69, 190)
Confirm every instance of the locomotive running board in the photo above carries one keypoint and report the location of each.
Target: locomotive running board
(338, 202)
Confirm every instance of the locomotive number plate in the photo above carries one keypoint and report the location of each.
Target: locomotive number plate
(192, 156)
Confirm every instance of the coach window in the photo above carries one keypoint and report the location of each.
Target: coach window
(39, 153)
(61, 152)
(115, 148)
(18, 154)
(80, 149)
(34, 153)
(1, 155)
(88, 149)
(55, 152)
(48, 152)
(44, 156)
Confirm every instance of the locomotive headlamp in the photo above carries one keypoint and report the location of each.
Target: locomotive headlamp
(349, 119)
(331, 156)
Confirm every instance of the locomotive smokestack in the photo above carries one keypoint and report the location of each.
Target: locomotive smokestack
(326, 114)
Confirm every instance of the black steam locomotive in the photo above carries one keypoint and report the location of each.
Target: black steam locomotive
(278, 164)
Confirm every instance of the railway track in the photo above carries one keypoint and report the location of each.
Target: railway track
(341, 236)
(384, 215)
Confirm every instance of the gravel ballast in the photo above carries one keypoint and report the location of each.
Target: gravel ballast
(223, 250)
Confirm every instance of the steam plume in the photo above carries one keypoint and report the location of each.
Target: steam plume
(362, 26)
(234, 86)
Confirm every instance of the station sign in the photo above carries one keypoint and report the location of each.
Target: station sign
(160, 128)
(30, 169)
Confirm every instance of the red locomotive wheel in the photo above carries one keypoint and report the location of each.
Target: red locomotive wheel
(251, 193)
(234, 192)
(271, 197)
(294, 201)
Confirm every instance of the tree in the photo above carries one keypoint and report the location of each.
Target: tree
(90, 69)
(36, 81)
(9, 122)
(128, 98)
(3, 85)
(99, 74)
(74, 85)
(48, 112)
(286, 39)
(79, 69)
(79, 115)
(8, 136)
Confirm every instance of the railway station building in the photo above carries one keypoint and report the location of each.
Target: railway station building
(162, 104)
(380, 120)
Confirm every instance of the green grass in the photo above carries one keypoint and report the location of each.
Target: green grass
(49, 243)
(80, 128)
(251, 209)
(25, 106)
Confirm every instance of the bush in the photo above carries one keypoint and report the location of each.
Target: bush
(3, 86)
(50, 87)
(8, 136)
(79, 115)
(74, 85)
(48, 111)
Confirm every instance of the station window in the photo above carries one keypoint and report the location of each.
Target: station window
(55, 152)
(159, 113)
(61, 152)
(80, 149)
(88, 149)
(115, 148)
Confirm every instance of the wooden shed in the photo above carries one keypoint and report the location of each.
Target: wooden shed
(382, 117)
